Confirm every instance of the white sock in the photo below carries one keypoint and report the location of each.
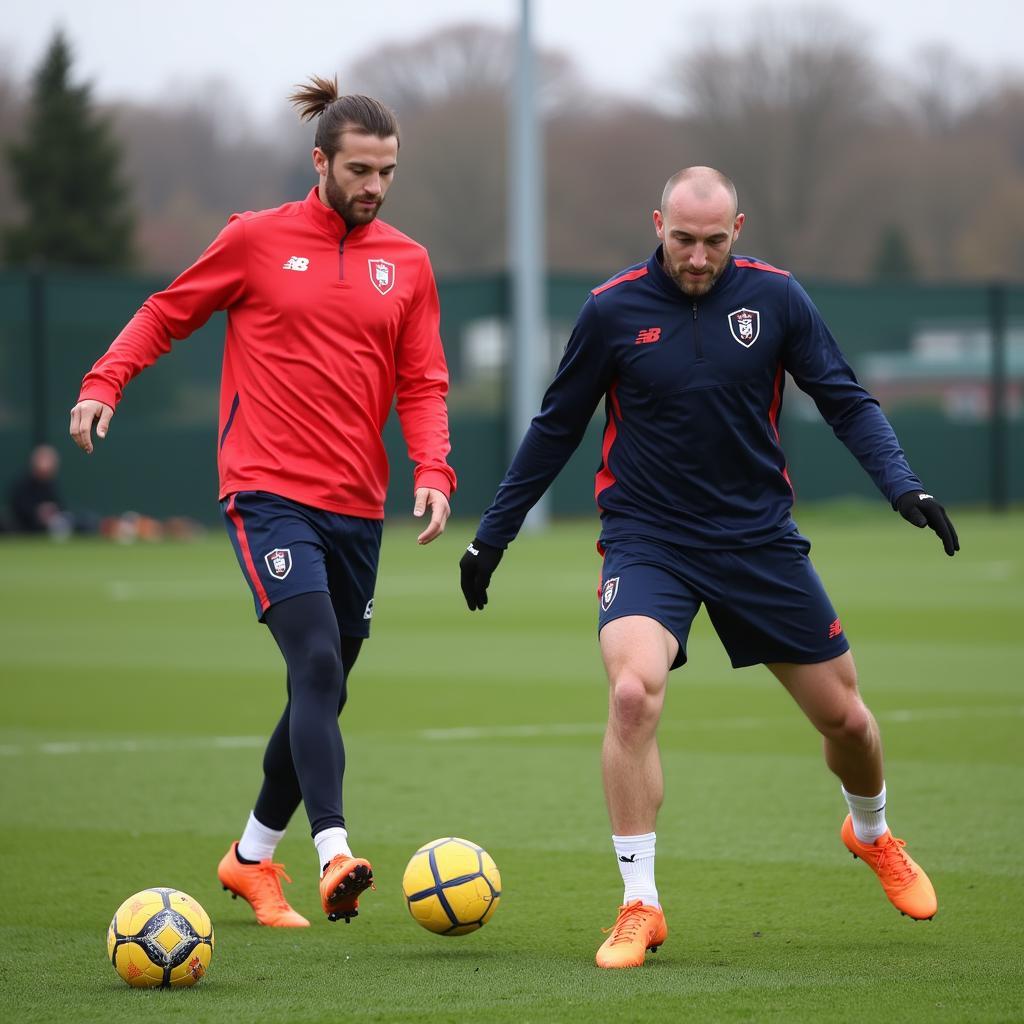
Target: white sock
(868, 814)
(635, 857)
(258, 842)
(329, 843)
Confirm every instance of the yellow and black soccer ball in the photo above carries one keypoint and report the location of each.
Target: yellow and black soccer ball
(160, 938)
(452, 886)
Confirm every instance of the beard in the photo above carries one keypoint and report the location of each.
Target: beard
(345, 206)
(694, 289)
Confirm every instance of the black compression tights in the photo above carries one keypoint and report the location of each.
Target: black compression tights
(305, 758)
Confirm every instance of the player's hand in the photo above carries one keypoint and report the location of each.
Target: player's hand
(440, 510)
(923, 510)
(476, 567)
(83, 415)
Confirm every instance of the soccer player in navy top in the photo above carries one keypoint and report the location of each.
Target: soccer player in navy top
(689, 352)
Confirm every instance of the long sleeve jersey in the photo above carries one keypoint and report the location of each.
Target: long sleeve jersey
(325, 328)
(693, 388)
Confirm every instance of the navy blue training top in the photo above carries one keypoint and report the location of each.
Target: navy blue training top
(693, 390)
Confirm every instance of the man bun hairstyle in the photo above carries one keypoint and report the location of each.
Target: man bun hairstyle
(336, 114)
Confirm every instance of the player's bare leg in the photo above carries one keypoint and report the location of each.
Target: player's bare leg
(637, 653)
(827, 693)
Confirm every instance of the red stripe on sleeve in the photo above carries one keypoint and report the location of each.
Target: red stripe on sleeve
(631, 276)
(250, 565)
(605, 477)
(773, 416)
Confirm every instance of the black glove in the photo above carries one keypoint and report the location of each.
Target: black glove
(923, 510)
(476, 566)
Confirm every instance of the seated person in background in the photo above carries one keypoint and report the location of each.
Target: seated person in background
(34, 499)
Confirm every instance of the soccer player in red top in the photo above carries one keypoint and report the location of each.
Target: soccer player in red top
(332, 315)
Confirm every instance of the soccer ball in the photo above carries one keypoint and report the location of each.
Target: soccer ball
(452, 886)
(160, 938)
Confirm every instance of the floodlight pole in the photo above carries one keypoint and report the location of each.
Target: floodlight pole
(528, 355)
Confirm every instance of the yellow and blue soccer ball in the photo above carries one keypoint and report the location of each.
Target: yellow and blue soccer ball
(160, 938)
(452, 886)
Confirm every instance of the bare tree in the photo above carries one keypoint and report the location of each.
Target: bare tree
(779, 113)
(940, 90)
(456, 60)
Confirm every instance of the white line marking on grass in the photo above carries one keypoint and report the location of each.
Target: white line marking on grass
(148, 745)
(515, 732)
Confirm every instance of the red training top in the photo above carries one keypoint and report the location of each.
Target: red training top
(325, 327)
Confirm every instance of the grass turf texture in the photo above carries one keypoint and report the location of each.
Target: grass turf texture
(124, 669)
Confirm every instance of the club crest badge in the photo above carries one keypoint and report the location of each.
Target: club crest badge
(745, 325)
(382, 275)
(368, 614)
(279, 562)
(608, 592)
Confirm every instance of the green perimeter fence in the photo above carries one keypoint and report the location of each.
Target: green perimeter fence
(946, 362)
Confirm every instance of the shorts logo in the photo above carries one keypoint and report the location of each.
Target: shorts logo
(382, 275)
(279, 562)
(368, 614)
(834, 630)
(745, 325)
(608, 592)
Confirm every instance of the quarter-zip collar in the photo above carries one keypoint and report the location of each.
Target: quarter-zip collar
(657, 273)
(327, 220)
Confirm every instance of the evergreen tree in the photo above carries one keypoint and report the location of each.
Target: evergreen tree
(894, 260)
(66, 175)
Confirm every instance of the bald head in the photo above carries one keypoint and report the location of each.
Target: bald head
(700, 184)
(697, 225)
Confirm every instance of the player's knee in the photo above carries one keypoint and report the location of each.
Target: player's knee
(854, 727)
(321, 670)
(633, 706)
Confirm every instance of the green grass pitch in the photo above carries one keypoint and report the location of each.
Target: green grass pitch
(137, 689)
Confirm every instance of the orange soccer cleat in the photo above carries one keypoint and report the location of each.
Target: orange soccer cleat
(260, 886)
(907, 886)
(343, 880)
(638, 928)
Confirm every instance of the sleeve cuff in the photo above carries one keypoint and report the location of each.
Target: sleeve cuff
(437, 479)
(97, 392)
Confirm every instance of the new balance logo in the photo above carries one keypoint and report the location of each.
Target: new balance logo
(296, 263)
(631, 859)
(834, 630)
(647, 335)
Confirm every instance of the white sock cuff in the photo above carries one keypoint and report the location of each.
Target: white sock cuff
(864, 803)
(642, 844)
(329, 843)
(258, 842)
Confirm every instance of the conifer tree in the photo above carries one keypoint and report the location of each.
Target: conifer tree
(66, 174)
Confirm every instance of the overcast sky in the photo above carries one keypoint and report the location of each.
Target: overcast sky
(148, 48)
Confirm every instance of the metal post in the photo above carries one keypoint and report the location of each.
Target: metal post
(528, 358)
(1000, 450)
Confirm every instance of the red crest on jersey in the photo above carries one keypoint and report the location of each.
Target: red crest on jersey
(382, 275)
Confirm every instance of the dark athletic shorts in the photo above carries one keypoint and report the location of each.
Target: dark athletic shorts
(766, 603)
(286, 549)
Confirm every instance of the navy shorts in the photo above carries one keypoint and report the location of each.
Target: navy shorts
(286, 549)
(766, 603)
